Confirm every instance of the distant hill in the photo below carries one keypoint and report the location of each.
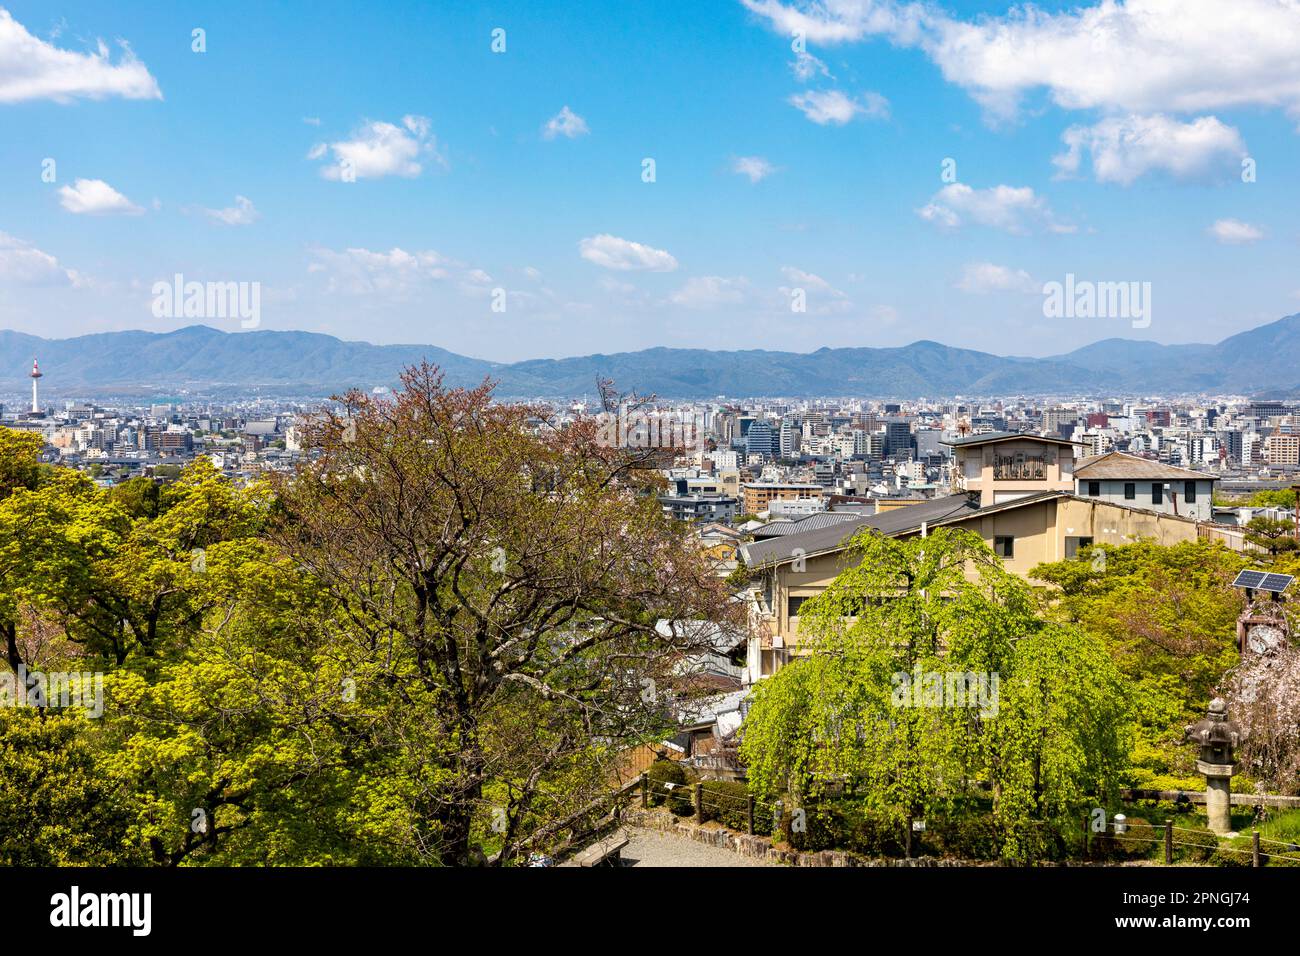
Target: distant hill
(1265, 359)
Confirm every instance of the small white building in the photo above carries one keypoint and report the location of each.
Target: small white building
(1136, 482)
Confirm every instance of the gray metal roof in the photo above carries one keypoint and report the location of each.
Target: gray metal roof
(895, 521)
(823, 519)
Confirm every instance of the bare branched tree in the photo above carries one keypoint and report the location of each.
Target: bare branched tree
(513, 601)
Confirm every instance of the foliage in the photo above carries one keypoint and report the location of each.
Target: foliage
(661, 774)
(57, 808)
(1199, 844)
(1166, 615)
(851, 714)
(1272, 534)
(727, 801)
(439, 635)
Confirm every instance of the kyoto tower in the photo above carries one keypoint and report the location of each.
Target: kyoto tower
(36, 374)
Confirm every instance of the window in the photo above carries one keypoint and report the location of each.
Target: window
(1004, 546)
(1094, 489)
(1189, 492)
(1130, 490)
(1157, 494)
(794, 603)
(1074, 544)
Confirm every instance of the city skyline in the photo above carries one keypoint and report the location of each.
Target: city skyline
(909, 179)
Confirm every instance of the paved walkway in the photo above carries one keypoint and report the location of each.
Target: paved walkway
(651, 848)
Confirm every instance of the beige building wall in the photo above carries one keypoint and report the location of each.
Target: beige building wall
(1014, 466)
(1040, 532)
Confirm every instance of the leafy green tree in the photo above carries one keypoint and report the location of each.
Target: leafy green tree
(1273, 498)
(1166, 616)
(872, 708)
(1272, 534)
(499, 584)
(57, 805)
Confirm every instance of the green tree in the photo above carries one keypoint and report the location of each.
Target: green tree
(1272, 534)
(1166, 616)
(872, 705)
(500, 584)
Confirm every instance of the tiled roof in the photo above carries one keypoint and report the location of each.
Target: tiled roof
(892, 522)
(823, 519)
(1116, 464)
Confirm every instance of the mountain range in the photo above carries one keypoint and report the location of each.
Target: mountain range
(1263, 360)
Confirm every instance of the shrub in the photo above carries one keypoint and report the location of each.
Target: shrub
(844, 825)
(1233, 853)
(1199, 844)
(1139, 840)
(727, 802)
(971, 836)
(661, 773)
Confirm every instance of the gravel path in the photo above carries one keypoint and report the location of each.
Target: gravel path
(650, 848)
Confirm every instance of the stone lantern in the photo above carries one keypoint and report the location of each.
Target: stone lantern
(1217, 737)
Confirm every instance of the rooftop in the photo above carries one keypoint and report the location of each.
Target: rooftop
(990, 438)
(1116, 464)
(896, 521)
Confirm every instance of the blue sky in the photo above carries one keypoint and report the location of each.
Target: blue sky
(1106, 142)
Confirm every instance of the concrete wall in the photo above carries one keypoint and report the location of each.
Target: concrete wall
(1113, 491)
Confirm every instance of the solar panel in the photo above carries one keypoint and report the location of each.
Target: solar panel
(1249, 579)
(1277, 582)
(1263, 581)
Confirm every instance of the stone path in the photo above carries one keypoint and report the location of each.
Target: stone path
(650, 848)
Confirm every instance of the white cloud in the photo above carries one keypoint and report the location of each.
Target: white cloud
(242, 213)
(805, 66)
(565, 123)
(808, 280)
(23, 264)
(1140, 56)
(31, 69)
(983, 277)
(1123, 148)
(1234, 232)
(94, 197)
(821, 297)
(380, 149)
(833, 107)
(610, 284)
(711, 292)
(884, 314)
(611, 252)
(755, 167)
(1015, 209)
(533, 273)
(396, 273)
(837, 21)
(311, 120)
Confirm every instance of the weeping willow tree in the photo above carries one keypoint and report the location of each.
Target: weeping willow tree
(929, 679)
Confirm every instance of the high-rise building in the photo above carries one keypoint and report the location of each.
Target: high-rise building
(898, 439)
(763, 439)
(789, 436)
